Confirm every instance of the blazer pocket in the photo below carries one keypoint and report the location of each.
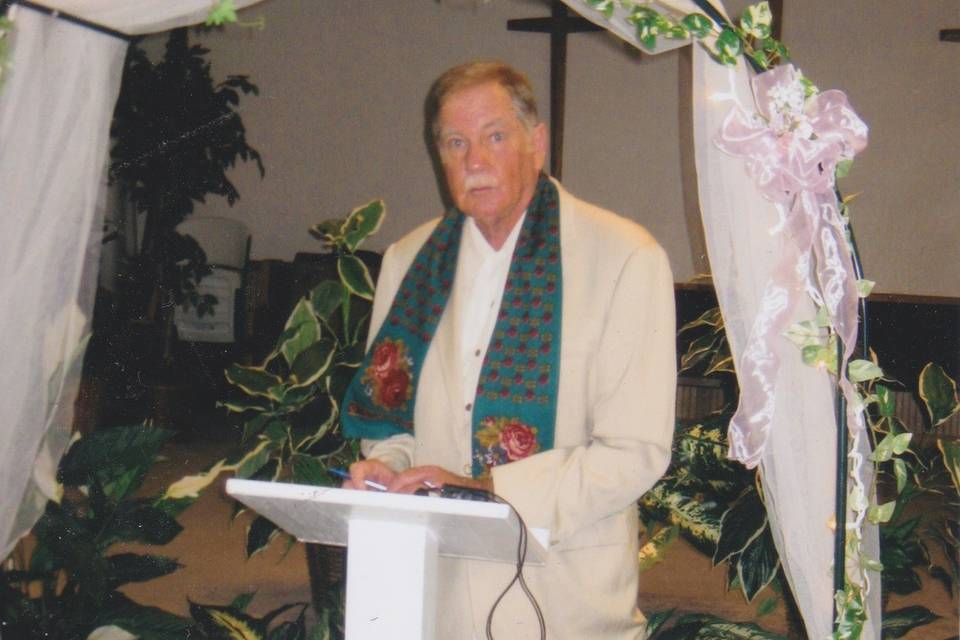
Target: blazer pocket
(619, 528)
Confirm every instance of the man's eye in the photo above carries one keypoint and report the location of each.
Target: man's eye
(455, 143)
(496, 136)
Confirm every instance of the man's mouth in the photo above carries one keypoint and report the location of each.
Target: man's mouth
(479, 184)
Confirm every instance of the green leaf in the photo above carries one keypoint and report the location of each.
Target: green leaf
(147, 623)
(881, 513)
(728, 46)
(744, 521)
(308, 470)
(891, 445)
(326, 298)
(898, 623)
(225, 11)
(116, 458)
(851, 613)
(843, 168)
(939, 394)
(223, 622)
(131, 567)
(720, 364)
(863, 370)
(698, 626)
(656, 619)
(697, 350)
(806, 333)
(886, 402)
(259, 535)
(236, 407)
(254, 381)
(355, 276)
(823, 317)
(242, 601)
(254, 460)
(255, 425)
(757, 20)
(697, 24)
(312, 363)
(362, 222)
(653, 551)
(820, 357)
(710, 318)
(757, 565)
(864, 287)
(140, 521)
(767, 606)
(605, 7)
(901, 474)
(307, 330)
(950, 451)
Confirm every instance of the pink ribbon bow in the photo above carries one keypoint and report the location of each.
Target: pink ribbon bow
(791, 148)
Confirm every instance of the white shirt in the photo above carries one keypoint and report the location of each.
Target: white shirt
(477, 290)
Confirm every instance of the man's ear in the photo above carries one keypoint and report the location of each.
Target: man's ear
(540, 138)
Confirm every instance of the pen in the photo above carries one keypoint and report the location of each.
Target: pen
(346, 476)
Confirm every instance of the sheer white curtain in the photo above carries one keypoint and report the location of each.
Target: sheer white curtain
(55, 109)
(798, 465)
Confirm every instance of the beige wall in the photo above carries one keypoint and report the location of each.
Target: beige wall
(339, 121)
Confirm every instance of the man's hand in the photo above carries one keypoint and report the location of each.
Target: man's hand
(371, 469)
(431, 477)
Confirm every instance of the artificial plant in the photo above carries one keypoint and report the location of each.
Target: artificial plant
(289, 403)
(715, 503)
(176, 132)
(66, 583)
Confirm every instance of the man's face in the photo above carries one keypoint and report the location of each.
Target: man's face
(490, 160)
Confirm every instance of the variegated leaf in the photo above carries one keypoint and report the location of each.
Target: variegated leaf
(307, 332)
(255, 381)
(312, 363)
(362, 222)
(939, 393)
(355, 276)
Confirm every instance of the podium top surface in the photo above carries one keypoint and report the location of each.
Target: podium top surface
(463, 528)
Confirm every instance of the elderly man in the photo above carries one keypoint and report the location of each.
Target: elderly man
(523, 343)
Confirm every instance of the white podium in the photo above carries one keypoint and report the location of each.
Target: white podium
(393, 542)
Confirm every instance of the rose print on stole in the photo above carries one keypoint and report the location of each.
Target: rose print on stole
(503, 440)
(387, 380)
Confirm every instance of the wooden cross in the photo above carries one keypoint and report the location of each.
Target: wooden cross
(558, 25)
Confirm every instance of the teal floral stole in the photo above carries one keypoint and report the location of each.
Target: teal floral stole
(516, 400)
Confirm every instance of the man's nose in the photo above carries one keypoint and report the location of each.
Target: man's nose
(477, 156)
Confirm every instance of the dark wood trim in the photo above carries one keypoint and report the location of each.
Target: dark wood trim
(564, 24)
(901, 298)
(776, 8)
(949, 35)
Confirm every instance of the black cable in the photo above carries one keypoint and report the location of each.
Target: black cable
(469, 493)
(518, 576)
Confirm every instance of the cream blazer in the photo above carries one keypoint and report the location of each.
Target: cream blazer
(615, 419)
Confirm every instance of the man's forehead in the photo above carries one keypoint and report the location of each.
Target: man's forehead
(494, 121)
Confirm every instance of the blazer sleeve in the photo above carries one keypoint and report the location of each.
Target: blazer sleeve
(630, 412)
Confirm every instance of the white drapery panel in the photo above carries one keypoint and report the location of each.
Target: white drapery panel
(55, 110)
(798, 468)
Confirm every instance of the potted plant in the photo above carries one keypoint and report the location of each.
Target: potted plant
(176, 133)
(289, 403)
